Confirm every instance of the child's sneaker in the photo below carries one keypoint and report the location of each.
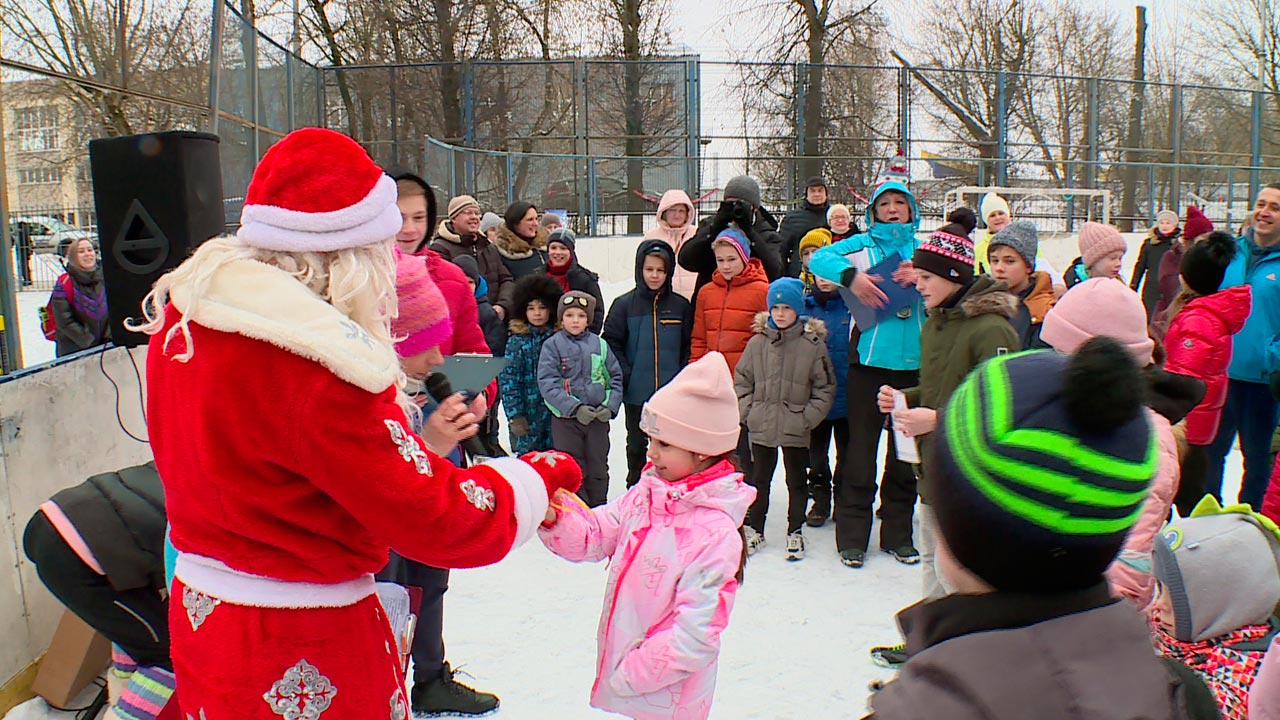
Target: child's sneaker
(853, 558)
(889, 656)
(905, 554)
(795, 546)
(755, 540)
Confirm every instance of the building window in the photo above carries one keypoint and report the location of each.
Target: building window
(37, 128)
(40, 176)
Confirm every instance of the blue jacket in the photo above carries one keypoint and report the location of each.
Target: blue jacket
(518, 382)
(893, 344)
(834, 314)
(649, 331)
(495, 331)
(574, 371)
(1255, 350)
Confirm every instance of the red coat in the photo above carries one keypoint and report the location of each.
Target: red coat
(1198, 343)
(288, 456)
(725, 312)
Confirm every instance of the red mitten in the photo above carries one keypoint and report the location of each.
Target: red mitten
(558, 470)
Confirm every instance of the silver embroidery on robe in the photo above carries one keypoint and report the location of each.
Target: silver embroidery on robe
(302, 694)
(399, 708)
(409, 448)
(481, 497)
(198, 606)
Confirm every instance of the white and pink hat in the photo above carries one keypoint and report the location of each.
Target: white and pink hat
(318, 191)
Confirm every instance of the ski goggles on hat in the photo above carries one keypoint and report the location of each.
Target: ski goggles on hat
(568, 300)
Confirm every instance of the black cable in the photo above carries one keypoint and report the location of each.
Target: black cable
(93, 704)
(142, 407)
(119, 418)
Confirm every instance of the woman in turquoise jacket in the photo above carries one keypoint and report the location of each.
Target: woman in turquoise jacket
(887, 354)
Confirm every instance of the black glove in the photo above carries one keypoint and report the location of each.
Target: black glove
(724, 214)
(519, 426)
(743, 213)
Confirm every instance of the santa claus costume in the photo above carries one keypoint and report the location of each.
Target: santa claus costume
(279, 430)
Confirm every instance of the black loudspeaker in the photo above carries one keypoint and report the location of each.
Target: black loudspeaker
(158, 196)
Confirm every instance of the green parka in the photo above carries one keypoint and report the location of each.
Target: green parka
(785, 382)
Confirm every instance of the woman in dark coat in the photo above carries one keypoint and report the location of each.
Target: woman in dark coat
(563, 267)
(81, 314)
(522, 241)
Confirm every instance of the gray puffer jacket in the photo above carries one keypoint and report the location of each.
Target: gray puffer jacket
(580, 370)
(1071, 656)
(785, 382)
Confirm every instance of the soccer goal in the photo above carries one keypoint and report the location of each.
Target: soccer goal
(1051, 209)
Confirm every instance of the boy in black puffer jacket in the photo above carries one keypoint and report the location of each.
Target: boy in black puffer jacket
(648, 330)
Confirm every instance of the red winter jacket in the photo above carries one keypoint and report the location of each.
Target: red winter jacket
(1198, 344)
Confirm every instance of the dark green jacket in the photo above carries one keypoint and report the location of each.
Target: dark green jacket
(957, 337)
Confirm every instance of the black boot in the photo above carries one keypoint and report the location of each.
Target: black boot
(820, 510)
(446, 697)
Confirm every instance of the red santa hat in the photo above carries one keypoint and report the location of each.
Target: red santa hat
(318, 191)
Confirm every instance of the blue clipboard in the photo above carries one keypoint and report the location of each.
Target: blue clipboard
(865, 316)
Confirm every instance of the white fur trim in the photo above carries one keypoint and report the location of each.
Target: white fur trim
(530, 493)
(215, 579)
(265, 303)
(382, 194)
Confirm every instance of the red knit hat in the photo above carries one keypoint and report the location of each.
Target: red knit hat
(423, 321)
(318, 191)
(1196, 225)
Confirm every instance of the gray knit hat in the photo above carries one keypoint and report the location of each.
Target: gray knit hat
(743, 187)
(1169, 215)
(1019, 236)
(1221, 570)
(489, 222)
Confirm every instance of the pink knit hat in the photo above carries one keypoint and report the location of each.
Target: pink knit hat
(1098, 241)
(698, 410)
(423, 321)
(1099, 306)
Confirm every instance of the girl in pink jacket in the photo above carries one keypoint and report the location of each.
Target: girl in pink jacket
(677, 552)
(677, 222)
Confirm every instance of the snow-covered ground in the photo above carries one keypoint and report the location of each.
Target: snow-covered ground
(796, 646)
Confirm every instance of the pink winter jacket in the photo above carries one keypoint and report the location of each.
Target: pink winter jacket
(1130, 573)
(683, 282)
(1198, 343)
(675, 551)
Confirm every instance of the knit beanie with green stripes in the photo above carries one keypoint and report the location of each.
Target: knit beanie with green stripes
(1045, 461)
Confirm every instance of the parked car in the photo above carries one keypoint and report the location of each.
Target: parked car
(48, 234)
(612, 196)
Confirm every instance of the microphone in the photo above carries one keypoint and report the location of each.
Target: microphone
(439, 388)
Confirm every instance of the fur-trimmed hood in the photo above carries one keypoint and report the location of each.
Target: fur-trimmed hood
(996, 302)
(812, 328)
(514, 247)
(522, 327)
(445, 232)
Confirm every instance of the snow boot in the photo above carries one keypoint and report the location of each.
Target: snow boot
(889, 656)
(853, 558)
(795, 546)
(820, 511)
(905, 554)
(755, 540)
(445, 697)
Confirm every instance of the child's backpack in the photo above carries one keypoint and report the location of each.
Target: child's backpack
(47, 323)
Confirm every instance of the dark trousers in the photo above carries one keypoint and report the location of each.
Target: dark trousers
(23, 252)
(794, 460)
(137, 620)
(1251, 412)
(428, 638)
(589, 445)
(637, 443)
(744, 452)
(823, 485)
(858, 490)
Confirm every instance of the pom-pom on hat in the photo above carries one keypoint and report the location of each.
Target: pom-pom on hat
(423, 318)
(1053, 450)
(963, 217)
(698, 410)
(1196, 225)
(992, 202)
(1099, 306)
(1205, 264)
(948, 253)
(1098, 241)
(734, 237)
(317, 190)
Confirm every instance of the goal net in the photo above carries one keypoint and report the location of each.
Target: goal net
(1053, 210)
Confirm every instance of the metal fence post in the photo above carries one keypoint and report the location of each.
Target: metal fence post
(1175, 141)
(511, 179)
(468, 105)
(591, 202)
(693, 130)
(1091, 169)
(1255, 144)
(215, 62)
(1001, 129)
(1151, 190)
(904, 111)
(801, 90)
(395, 117)
(288, 91)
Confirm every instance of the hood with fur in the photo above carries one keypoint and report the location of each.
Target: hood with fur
(514, 247)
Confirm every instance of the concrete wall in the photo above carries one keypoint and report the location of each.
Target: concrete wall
(58, 426)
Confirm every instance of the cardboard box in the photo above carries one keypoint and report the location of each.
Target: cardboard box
(76, 656)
